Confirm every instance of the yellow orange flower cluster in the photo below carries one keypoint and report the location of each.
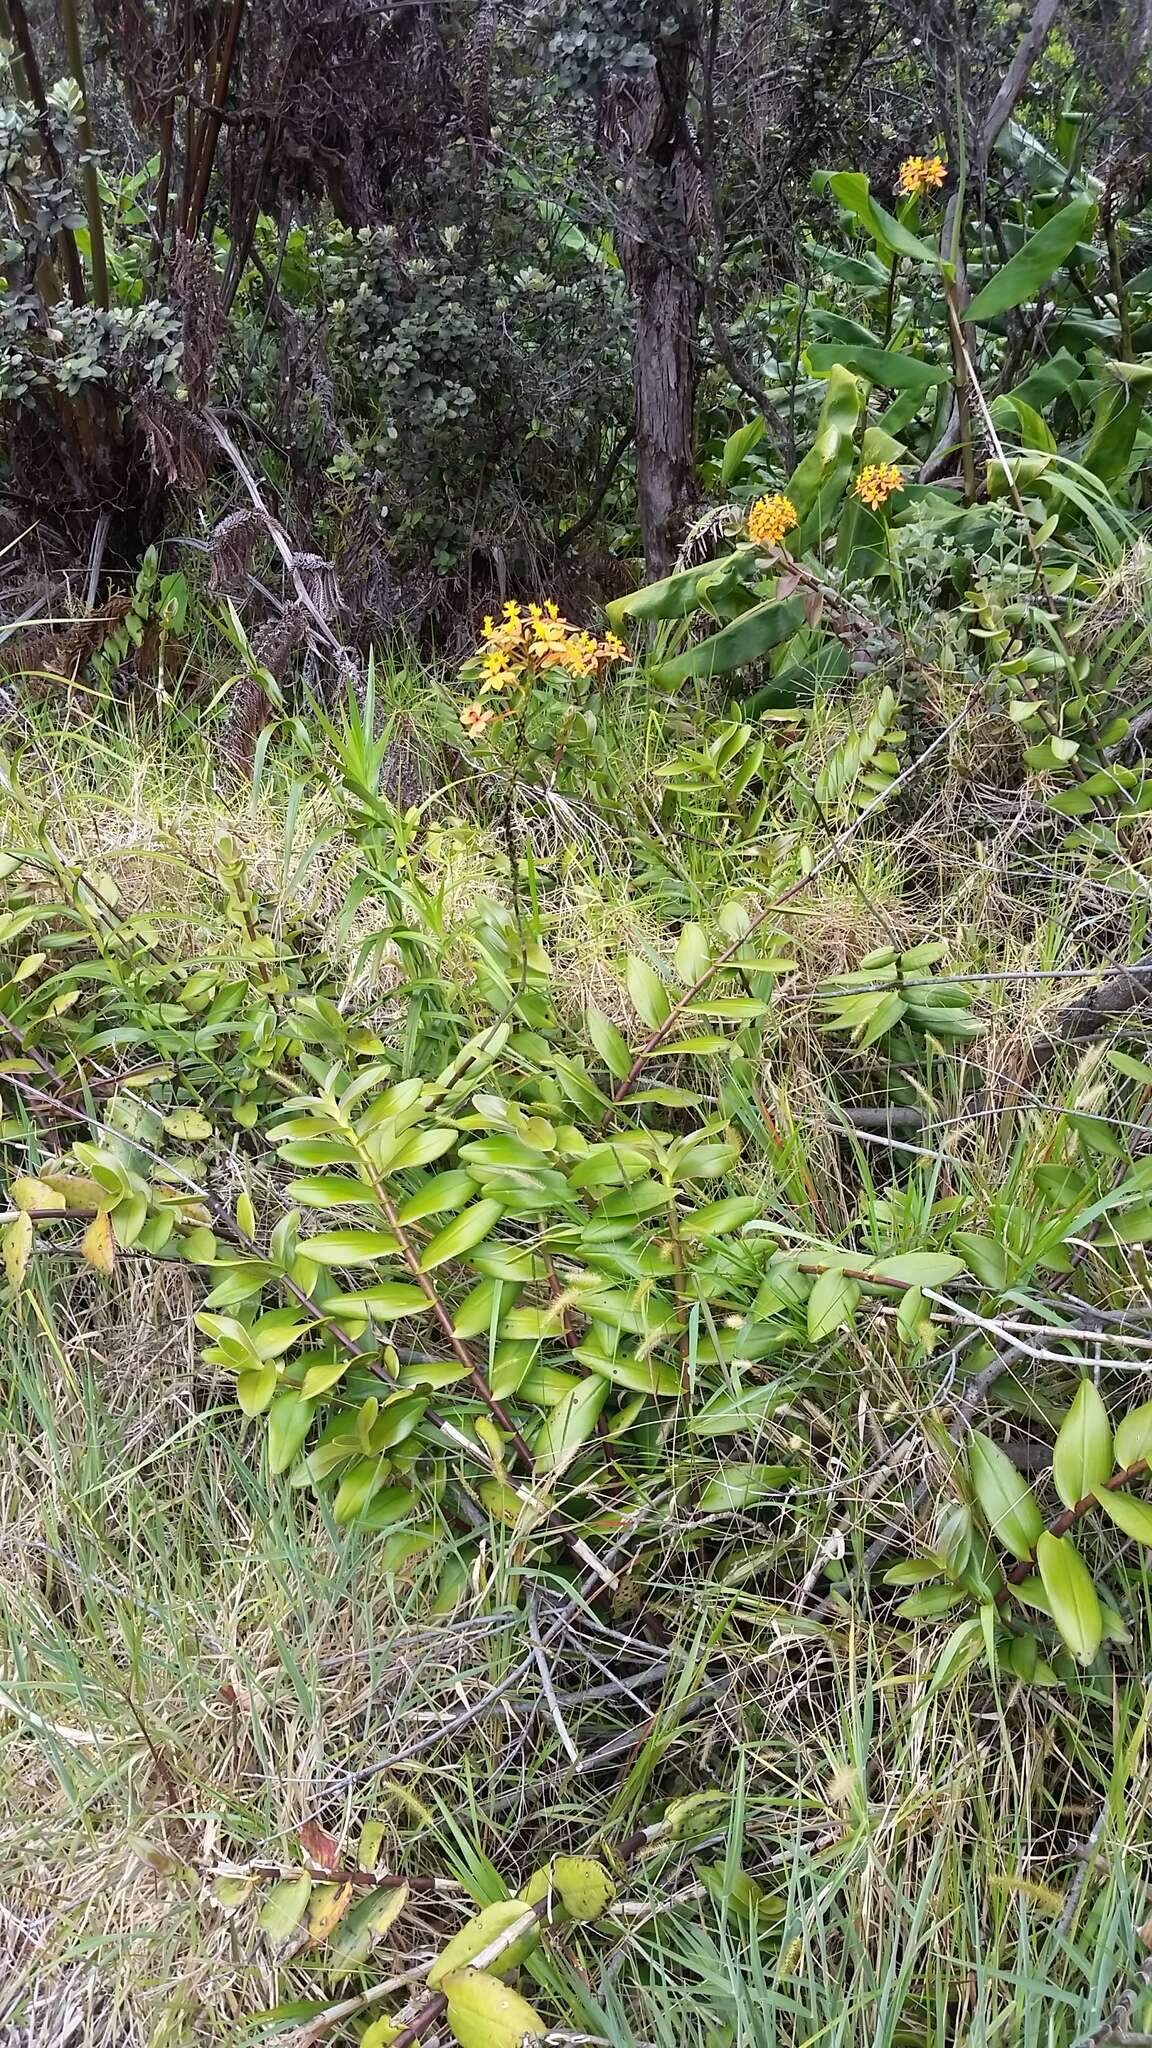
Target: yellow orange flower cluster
(877, 482)
(770, 519)
(523, 643)
(920, 175)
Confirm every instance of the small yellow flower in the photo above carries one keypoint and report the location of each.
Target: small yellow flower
(877, 482)
(612, 648)
(476, 718)
(920, 175)
(770, 519)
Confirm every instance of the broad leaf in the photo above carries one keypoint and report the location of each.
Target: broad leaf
(484, 2013)
(747, 639)
(1082, 1454)
(831, 1303)
(1008, 1502)
(1134, 1436)
(1032, 266)
(1071, 1595)
(480, 1932)
(851, 189)
(886, 366)
(1130, 1514)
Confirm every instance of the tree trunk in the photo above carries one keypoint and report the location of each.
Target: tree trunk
(644, 126)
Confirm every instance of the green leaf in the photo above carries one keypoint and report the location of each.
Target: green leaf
(380, 1304)
(570, 1424)
(479, 1933)
(851, 189)
(484, 2013)
(420, 1148)
(1007, 1501)
(917, 1269)
(1033, 265)
(726, 1414)
(648, 993)
(675, 597)
(1071, 1594)
(1082, 1454)
(1130, 1514)
(254, 1390)
(327, 1191)
(747, 639)
(462, 1234)
(288, 1421)
(832, 1302)
(737, 447)
(360, 1482)
(285, 1906)
(349, 1247)
(886, 366)
(439, 1193)
(715, 1219)
(608, 1043)
(1134, 1436)
(737, 1486)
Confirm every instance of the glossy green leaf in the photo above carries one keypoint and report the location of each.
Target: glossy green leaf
(1072, 1597)
(1026, 273)
(288, 1422)
(740, 1486)
(727, 1414)
(465, 1231)
(885, 366)
(1134, 1436)
(648, 993)
(675, 597)
(831, 1304)
(608, 1042)
(851, 189)
(748, 638)
(917, 1269)
(570, 1424)
(1082, 1454)
(380, 1304)
(1007, 1501)
(737, 447)
(1129, 1513)
(349, 1247)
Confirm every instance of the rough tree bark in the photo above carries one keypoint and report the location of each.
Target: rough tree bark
(645, 126)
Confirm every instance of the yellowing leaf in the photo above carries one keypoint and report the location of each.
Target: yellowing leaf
(480, 1932)
(98, 1245)
(484, 2013)
(26, 1192)
(580, 1886)
(330, 1902)
(17, 1246)
(188, 1124)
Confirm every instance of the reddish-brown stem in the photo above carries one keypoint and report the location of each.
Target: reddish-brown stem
(456, 1344)
(1067, 1519)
